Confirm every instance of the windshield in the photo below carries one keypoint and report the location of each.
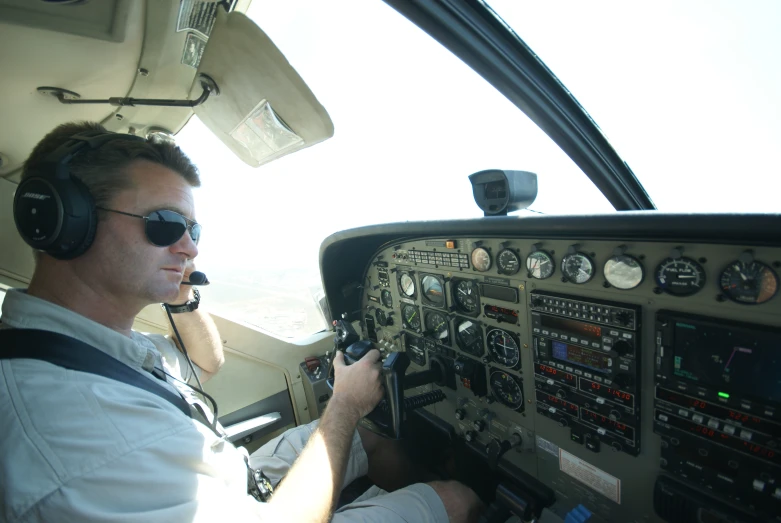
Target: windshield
(411, 123)
(688, 93)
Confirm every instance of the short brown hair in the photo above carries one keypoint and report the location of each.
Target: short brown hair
(102, 170)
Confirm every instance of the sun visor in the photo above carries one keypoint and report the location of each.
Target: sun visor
(264, 109)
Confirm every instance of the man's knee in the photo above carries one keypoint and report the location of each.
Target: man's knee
(461, 502)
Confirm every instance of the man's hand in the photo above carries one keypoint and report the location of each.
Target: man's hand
(318, 474)
(358, 386)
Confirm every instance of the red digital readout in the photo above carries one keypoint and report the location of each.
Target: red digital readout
(761, 451)
(567, 325)
(606, 392)
(560, 375)
(501, 310)
(558, 401)
(743, 418)
(547, 370)
(610, 424)
(613, 392)
(734, 416)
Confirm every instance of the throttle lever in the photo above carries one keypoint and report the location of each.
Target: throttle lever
(393, 370)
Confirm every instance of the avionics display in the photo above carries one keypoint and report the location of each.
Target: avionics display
(608, 393)
(558, 375)
(730, 359)
(719, 437)
(564, 324)
(726, 414)
(580, 356)
(606, 423)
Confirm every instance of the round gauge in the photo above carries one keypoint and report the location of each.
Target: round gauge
(577, 267)
(508, 262)
(466, 296)
(387, 298)
(503, 347)
(481, 259)
(749, 283)
(540, 265)
(415, 350)
(411, 317)
(680, 277)
(407, 284)
(469, 337)
(624, 272)
(382, 318)
(506, 389)
(436, 326)
(433, 291)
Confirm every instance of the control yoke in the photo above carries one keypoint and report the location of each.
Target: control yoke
(387, 418)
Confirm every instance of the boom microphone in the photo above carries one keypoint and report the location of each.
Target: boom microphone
(197, 278)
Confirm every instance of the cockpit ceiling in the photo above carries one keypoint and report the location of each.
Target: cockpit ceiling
(97, 49)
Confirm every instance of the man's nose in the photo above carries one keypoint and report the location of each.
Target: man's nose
(186, 246)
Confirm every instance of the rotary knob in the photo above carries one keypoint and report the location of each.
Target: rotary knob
(460, 414)
(563, 422)
(470, 436)
(479, 425)
(622, 348)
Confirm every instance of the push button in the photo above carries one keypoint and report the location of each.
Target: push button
(592, 443)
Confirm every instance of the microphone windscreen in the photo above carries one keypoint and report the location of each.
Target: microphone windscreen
(197, 278)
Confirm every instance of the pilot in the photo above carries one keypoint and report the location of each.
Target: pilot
(80, 446)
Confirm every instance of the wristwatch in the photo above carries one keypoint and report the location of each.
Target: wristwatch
(188, 306)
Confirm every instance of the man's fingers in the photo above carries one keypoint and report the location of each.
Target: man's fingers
(373, 356)
(339, 359)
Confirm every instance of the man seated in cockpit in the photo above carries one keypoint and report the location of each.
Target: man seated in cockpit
(79, 446)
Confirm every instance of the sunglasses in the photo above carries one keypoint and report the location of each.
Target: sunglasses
(164, 227)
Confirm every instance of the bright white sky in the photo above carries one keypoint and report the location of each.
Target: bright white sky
(688, 93)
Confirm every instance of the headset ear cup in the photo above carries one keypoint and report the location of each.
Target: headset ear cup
(83, 229)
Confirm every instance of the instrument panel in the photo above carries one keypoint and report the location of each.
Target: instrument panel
(561, 344)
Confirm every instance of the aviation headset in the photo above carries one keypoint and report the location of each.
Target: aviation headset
(54, 212)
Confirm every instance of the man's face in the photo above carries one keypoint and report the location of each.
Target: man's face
(123, 261)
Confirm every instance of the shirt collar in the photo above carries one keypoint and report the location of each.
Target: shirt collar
(22, 311)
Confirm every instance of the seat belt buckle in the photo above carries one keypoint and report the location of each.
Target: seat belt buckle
(258, 484)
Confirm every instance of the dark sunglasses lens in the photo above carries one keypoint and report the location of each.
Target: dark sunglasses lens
(195, 232)
(164, 228)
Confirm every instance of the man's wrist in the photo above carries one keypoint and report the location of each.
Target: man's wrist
(188, 306)
(343, 409)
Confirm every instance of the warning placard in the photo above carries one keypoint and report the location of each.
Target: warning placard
(599, 480)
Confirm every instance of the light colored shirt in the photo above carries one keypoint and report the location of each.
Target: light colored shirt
(79, 447)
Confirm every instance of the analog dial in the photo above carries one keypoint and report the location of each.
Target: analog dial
(481, 259)
(680, 276)
(407, 284)
(540, 265)
(750, 283)
(624, 272)
(469, 337)
(503, 348)
(433, 290)
(577, 267)
(382, 318)
(466, 296)
(387, 298)
(508, 262)
(436, 326)
(506, 389)
(411, 317)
